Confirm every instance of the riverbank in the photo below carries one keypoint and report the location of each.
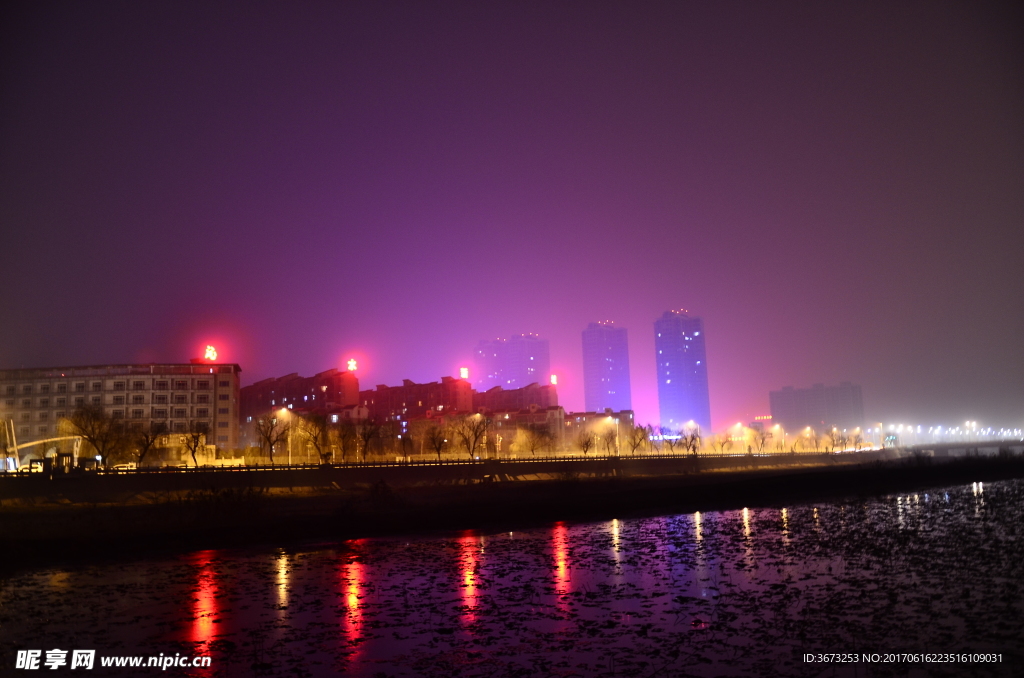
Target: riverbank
(40, 535)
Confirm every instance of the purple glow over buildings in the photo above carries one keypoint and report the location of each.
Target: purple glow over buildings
(836, 191)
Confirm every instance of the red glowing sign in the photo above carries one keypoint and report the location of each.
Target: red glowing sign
(351, 364)
(210, 354)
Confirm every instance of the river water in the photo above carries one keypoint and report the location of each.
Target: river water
(746, 592)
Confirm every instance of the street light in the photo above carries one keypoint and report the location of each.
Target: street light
(283, 414)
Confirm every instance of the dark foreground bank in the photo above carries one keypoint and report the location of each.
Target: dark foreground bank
(44, 535)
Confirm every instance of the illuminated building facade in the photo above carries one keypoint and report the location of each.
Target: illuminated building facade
(682, 367)
(171, 395)
(410, 400)
(606, 367)
(820, 407)
(499, 399)
(329, 391)
(512, 363)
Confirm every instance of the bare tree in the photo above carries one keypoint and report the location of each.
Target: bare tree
(856, 441)
(105, 434)
(271, 432)
(195, 438)
(836, 440)
(780, 442)
(669, 439)
(407, 444)
(470, 432)
(760, 439)
(691, 439)
(720, 443)
(585, 440)
(315, 429)
(533, 437)
(436, 439)
(610, 438)
(145, 440)
(638, 437)
(369, 430)
(348, 438)
(810, 440)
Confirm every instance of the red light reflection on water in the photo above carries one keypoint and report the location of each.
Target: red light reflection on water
(204, 603)
(469, 549)
(352, 588)
(562, 574)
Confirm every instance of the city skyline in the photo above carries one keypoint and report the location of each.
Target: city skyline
(837, 191)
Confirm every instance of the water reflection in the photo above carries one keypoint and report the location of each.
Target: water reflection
(204, 603)
(281, 573)
(353, 578)
(561, 573)
(553, 600)
(470, 548)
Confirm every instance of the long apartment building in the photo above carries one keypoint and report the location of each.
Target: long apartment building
(174, 395)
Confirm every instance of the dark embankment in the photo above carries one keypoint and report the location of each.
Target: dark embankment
(206, 519)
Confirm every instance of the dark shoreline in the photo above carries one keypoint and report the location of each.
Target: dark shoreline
(85, 534)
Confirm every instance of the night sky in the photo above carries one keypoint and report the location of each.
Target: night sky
(837, 189)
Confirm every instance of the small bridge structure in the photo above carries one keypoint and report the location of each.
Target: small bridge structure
(12, 456)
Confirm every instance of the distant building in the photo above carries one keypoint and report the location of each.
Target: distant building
(499, 399)
(682, 365)
(819, 407)
(330, 391)
(512, 363)
(606, 367)
(412, 400)
(174, 396)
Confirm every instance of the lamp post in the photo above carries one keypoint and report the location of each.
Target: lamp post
(283, 413)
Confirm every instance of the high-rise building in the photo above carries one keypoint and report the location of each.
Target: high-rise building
(606, 367)
(682, 371)
(512, 363)
(820, 407)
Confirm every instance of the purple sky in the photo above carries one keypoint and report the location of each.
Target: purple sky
(838, 189)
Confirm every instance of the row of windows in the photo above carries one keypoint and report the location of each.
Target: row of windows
(159, 413)
(178, 426)
(79, 401)
(137, 385)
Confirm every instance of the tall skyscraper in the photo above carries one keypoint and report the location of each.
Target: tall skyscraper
(682, 371)
(606, 368)
(511, 363)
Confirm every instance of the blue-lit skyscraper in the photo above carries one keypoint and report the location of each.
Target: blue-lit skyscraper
(682, 371)
(606, 368)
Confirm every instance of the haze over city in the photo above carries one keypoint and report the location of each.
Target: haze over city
(837, 191)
